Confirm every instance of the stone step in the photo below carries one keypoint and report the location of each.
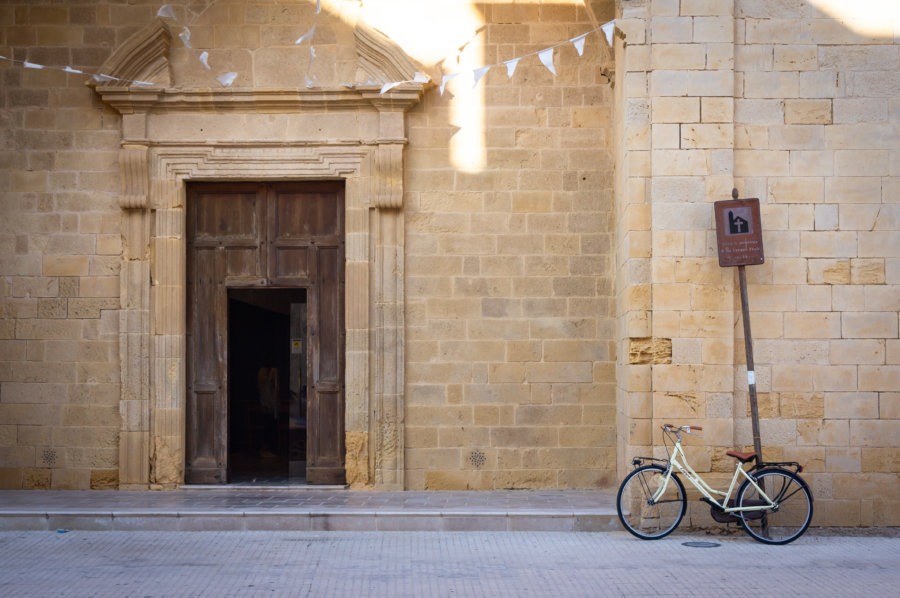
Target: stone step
(252, 509)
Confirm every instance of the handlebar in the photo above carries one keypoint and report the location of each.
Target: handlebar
(685, 429)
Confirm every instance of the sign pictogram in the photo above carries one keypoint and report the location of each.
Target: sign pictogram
(738, 232)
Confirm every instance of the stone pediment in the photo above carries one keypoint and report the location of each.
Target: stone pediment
(349, 64)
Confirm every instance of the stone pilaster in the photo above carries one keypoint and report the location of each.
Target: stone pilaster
(134, 319)
(388, 354)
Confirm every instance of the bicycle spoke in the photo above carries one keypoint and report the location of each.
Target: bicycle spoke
(790, 516)
(639, 513)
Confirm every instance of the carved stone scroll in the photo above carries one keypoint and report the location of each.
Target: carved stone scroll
(134, 171)
(388, 176)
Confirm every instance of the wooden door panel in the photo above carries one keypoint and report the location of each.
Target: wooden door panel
(291, 263)
(312, 213)
(326, 407)
(205, 364)
(223, 215)
(244, 265)
(266, 235)
(330, 274)
(224, 224)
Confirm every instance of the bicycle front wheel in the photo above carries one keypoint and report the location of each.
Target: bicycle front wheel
(639, 513)
(791, 515)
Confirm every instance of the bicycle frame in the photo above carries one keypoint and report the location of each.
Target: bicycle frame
(705, 489)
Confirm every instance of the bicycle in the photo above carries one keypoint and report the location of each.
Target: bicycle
(773, 504)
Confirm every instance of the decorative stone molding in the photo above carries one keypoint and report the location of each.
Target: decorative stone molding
(133, 169)
(174, 135)
(388, 167)
(143, 57)
(380, 59)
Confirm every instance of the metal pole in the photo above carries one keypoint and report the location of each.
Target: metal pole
(751, 373)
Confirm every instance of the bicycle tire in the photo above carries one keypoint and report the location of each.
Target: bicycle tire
(646, 521)
(789, 520)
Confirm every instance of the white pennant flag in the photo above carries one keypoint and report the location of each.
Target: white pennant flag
(185, 36)
(578, 42)
(477, 74)
(444, 80)
(204, 58)
(546, 57)
(608, 30)
(318, 6)
(307, 36)
(102, 77)
(227, 79)
(312, 52)
(33, 65)
(511, 66)
(165, 11)
(69, 69)
(390, 86)
(421, 78)
(136, 82)
(311, 81)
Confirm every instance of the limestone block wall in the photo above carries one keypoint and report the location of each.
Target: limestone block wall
(60, 251)
(817, 136)
(794, 103)
(509, 288)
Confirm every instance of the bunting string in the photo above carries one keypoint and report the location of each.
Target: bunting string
(545, 56)
(226, 79)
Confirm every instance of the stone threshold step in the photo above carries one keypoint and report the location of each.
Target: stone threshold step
(273, 520)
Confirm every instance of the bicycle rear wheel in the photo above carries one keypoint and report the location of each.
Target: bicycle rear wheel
(645, 519)
(788, 519)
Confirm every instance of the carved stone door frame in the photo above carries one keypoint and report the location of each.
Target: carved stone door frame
(165, 145)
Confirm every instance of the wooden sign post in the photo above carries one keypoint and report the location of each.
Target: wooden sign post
(739, 240)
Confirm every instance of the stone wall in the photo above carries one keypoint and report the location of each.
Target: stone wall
(510, 352)
(60, 250)
(794, 103)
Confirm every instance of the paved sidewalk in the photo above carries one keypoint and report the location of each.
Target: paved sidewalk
(304, 509)
(438, 564)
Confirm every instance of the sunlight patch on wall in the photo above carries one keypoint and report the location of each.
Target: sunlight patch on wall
(871, 18)
(448, 31)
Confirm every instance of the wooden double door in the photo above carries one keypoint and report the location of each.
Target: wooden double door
(259, 240)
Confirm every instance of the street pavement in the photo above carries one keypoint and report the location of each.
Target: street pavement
(439, 564)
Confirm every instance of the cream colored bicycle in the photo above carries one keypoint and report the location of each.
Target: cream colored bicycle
(773, 504)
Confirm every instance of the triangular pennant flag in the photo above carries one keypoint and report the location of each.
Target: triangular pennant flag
(69, 69)
(318, 6)
(185, 36)
(142, 83)
(307, 36)
(444, 80)
(421, 78)
(477, 74)
(204, 58)
(227, 79)
(511, 66)
(165, 11)
(390, 86)
(578, 42)
(546, 57)
(311, 81)
(102, 77)
(32, 65)
(608, 29)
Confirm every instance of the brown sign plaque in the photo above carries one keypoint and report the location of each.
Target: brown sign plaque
(739, 232)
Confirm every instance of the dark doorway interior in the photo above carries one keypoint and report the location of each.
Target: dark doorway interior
(267, 386)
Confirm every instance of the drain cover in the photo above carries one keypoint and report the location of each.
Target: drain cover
(701, 544)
